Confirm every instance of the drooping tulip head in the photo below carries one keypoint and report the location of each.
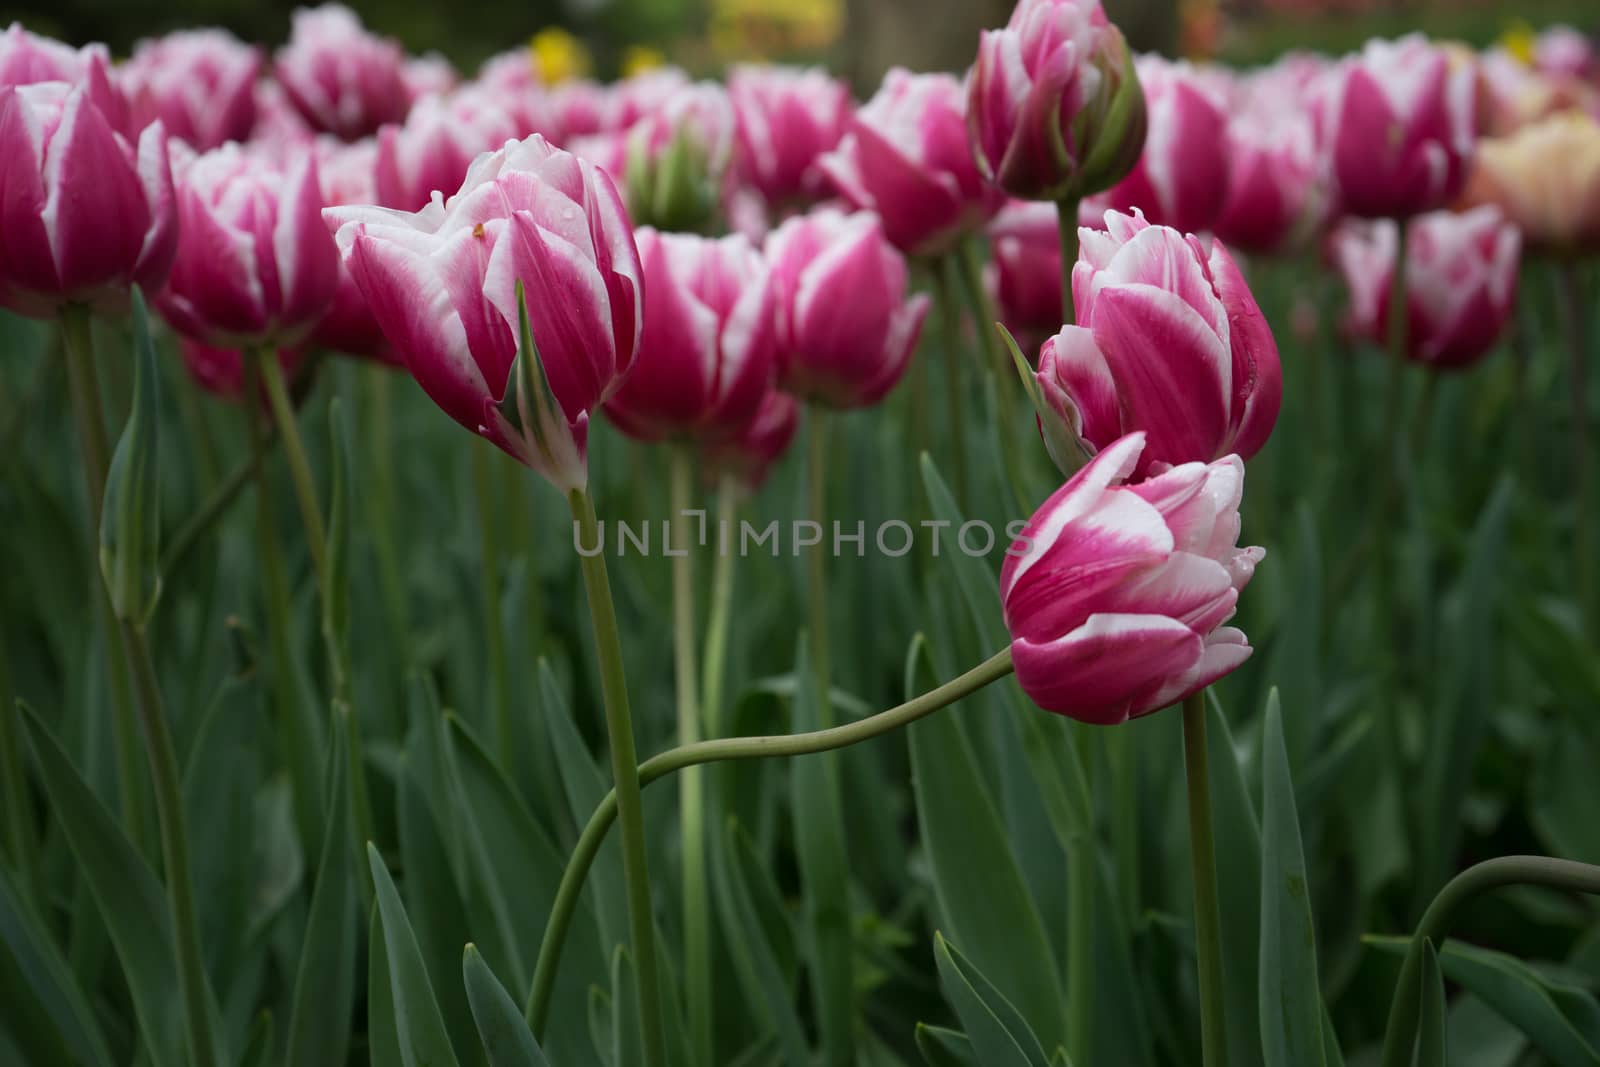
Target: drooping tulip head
(199, 83)
(845, 328)
(904, 156)
(255, 266)
(84, 213)
(1054, 107)
(752, 450)
(433, 148)
(1546, 178)
(342, 78)
(1181, 178)
(708, 348)
(1115, 594)
(1170, 342)
(444, 282)
(1461, 274)
(786, 118)
(1401, 129)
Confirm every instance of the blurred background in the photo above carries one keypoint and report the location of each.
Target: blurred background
(859, 38)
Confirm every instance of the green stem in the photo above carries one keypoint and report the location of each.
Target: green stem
(715, 751)
(78, 346)
(625, 772)
(817, 587)
(305, 486)
(381, 445)
(691, 799)
(210, 512)
(1390, 448)
(1572, 306)
(716, 651)
(494, 619)
(1207, 909)
(1400, 1034)
(1067, 226)
(1002, 371)
(955, 391)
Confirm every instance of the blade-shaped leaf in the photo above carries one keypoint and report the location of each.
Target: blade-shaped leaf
(1000, 1036)
(1237, 839)
(419, 1027)
(507, 1041)
(46, 1013)
(941, 1047)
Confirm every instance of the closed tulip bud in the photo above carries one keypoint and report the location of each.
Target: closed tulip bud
(1055, 110)
(85, 214)
(1169, 342)
(1279, 185)
(677, 159)
(1461, 275)
(708, 348)
(786, 118)
(1115, 595)
(445, 282)
(255, 266)
(749, 453)
(1401, 129)
(130, 523)
(845, 328)
(1025, 242)
(438, 141)
(1181, 179)
(343, 79)
(904, 156)
(200, 84)
(1546, 178)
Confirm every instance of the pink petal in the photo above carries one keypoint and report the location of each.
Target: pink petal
(1109, 669)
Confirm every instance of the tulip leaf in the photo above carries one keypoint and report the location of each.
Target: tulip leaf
(383, 1028)
(941, 1047)
(1290, 998)
(419, 1026)
(507, 1041)
(130, 522)
(1432, 1042)
(1237, 839)
(1000, 1036)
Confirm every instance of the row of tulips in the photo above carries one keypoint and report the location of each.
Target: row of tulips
(696, 261)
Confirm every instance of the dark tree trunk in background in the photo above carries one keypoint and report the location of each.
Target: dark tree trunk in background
(943, 34)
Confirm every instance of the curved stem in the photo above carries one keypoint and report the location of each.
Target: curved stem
(1207, 909)
(1400, 1034)
(715, 751)
(210, 512)
(1067, 225)
(305, 486)
(625, 772)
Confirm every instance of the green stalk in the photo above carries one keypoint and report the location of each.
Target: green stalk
(163, 760)
(715, 751)
(950, 319)
(1572, 306)
(1207, 909)
(1000, 366)
(692, 803)
(380, 442)
(78, 346)
(1393, 439)
(494, 619)
(716, 650)
(210, 512)
(625, 772)
(294, 450)
(1067, 225)
(1399, 1036)
(817, 586)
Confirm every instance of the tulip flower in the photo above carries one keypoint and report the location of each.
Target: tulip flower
(904, 155)
(1181, 178)
(1279, 184)
(279, 125)
(85, 214)
(1170, 342)
(432, 150)
(255, 266)
(628, 101)
(708, 347)
(1115, 594)
(1461, 274)
(221, 370)
(343, 79)
(677, 159)
(786, 118)
(1564, 52)
(1055, 110)
(1546, 178)
(443, 283)
(749, 453)
(1401, 129)
(348, 174)
(845, 328)
(28, 59)
(200, 84)
(1026, 249)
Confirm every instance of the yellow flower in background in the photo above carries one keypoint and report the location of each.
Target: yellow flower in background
(557, 55)
(765, 28)
(638, 58)
(1519, 40)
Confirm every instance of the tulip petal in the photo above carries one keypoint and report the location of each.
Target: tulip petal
(94, 212)
(1077, 380)
(1223, 653)
(1108, 669)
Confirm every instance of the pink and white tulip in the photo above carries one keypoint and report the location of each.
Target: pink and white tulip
(432, 150)
(1401, 129)
(255, 266)
(430, 74)
(200, 84)
(1181, 178)
(845, 328)
(1025, 245)
(29, 59)
(708, 349)
(754, 447)
(1054, 108)
(904, 155)
(85, 214)
(443, 285)
(1461, 275)
(1170, 342)
(1279, 185)
(786, 118)
(343, 79)
(1116, 595)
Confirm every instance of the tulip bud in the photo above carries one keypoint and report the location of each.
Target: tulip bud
(200, 84)
(431, 151)
(1055, 110)
(343, 79)
(130, 524)
(786, 119)
(1025, 240)
(1115, 595)
(677, 159)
